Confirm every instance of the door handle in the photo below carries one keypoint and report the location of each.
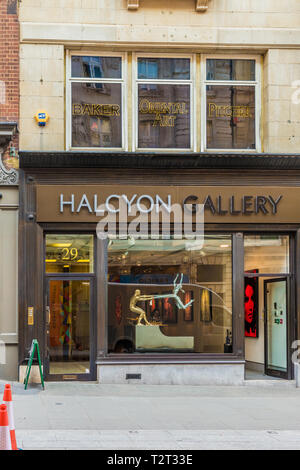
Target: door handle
(48, 315)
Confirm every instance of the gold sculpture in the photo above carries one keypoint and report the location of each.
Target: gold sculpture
(138, 297)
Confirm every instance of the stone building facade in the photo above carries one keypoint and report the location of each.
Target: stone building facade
(9, 120)
(185, 95)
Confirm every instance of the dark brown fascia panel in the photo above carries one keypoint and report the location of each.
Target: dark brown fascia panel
(132, 160)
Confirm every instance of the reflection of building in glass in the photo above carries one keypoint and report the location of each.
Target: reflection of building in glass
(96, 67)
(164, 109)
(169, 127)
(230, 69)
(230, 117)
(96, 115)
(96, 106)
(230, 121)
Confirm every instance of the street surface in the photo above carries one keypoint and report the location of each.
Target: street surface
(115, 417)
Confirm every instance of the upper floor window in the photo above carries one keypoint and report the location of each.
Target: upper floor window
(96, 92)
(163, 102)
(231, 104)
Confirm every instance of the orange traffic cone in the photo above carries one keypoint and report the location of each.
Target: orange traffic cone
(7, 400)
(5, 442)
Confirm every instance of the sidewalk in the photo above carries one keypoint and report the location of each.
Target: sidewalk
(93, 416)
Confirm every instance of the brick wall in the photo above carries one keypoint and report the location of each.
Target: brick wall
(9, 68)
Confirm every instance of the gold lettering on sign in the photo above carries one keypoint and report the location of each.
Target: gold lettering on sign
(165, 113)
(215, 110)
(96, 109)
(69, 254)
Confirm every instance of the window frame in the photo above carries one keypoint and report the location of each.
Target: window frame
(123, 81)
(258, 99)
(197, 82)
(138, 81)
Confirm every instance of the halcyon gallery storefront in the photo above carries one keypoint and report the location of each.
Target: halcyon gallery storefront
(165, 310)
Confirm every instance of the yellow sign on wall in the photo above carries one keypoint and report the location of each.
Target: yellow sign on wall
(30, 314)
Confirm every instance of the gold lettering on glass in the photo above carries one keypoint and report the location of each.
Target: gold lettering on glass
(165, 113)
(96, 109)
(215, 110)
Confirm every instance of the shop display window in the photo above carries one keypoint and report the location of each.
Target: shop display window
(170, 296)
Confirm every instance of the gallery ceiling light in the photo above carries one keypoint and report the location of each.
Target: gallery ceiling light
(60, 245)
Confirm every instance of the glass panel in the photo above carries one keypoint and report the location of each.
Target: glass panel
(267, 253)
(228, 69)
(164, 116)
(96, 115)
(277, 325)
(230, 122)
(96, 67)
(163, 69)
(170, 296)
(69, 253)
(69, 328)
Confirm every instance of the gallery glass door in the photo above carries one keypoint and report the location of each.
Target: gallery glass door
(69, 329)
(276, 327)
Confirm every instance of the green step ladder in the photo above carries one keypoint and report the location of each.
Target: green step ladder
(34, 347)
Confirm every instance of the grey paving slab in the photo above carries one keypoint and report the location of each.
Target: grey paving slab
(89, 415)
(169, 440)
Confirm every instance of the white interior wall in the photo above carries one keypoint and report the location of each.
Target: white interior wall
(267, 259)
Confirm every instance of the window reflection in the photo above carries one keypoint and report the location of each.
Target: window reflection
(164, 116)
(96, 115)
(96, 67)
(167, 296)
(230, 117)
(164, 69)
(230, 69)
(69, 253)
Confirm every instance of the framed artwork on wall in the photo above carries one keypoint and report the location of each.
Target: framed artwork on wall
(251, 305)
(169, 310)
(206, 306)
(189, 311)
